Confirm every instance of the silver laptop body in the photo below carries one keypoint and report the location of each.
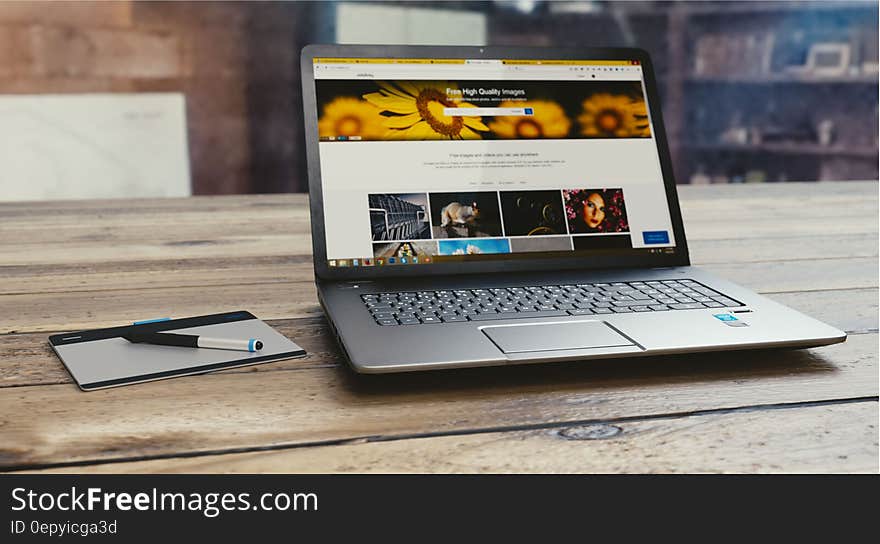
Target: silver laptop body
(477, 206)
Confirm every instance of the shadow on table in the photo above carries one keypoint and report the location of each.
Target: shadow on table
(596, 375)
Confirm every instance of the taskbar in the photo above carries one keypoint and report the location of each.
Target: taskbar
(407, 260)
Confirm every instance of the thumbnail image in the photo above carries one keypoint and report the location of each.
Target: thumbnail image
(532, 213)
(404, 249)
(543, 243)
(465, 215)
(399, 216)
(604, 241)
(473, 247)
(595, 210)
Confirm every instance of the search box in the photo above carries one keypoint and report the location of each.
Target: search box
(487, 112)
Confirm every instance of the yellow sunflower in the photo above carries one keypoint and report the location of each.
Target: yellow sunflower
(548, 121)
(610, 115)
(349, 116)
(417, 108)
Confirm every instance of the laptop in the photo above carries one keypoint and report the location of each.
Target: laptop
(478, 206)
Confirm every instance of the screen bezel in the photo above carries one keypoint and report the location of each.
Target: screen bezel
(679, 257)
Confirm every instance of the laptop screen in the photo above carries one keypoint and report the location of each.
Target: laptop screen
(440, 160)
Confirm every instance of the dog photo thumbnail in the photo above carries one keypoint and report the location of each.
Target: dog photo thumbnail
(465, 215)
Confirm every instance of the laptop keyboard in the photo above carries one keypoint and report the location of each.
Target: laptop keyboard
(451, 306)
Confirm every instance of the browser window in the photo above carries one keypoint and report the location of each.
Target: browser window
(436, 160)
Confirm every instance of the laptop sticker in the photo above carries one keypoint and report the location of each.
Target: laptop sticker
(730, 320)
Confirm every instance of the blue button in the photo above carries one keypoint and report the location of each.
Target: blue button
(725, 317)
(529, 111)
(655, 236)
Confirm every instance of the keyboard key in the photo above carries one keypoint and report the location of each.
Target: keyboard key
(453, 318)
(410, 308)
(686, 306)
(633, 302)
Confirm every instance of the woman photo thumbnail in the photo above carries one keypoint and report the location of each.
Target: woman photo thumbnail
(473, 247)
(595, 210)
(532, 213)
(404, 249)
(465, 215)
(399, 216)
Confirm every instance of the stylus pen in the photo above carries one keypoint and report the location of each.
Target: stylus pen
(193, 341)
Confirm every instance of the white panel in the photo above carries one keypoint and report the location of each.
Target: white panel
(378, 24)
(55, 147)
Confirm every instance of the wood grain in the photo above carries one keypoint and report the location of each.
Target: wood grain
(842, 436)
(291, 293)
(266, 266)
(71, 265)
(213, 412)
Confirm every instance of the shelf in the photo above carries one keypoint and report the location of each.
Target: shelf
(757, 7)
(787, 149)
(772, 79)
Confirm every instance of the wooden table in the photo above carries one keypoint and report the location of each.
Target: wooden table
(72, 265)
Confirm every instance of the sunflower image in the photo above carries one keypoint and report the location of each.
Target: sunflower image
(610, 115)
(413, 110)
(350, 116)
(548, 121)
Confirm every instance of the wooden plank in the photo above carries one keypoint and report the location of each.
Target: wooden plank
(789, 276)
(100, 226)
(124, 207)
(833, 438)
(290, 293)
(267, 259)
(95, 309)
(783, 248)
(222, 411)
(26, 359)
(851, 310)
(850, 192)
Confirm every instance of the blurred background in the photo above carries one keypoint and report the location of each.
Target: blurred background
(133, 98)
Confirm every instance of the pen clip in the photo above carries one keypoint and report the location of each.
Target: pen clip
(156, 320)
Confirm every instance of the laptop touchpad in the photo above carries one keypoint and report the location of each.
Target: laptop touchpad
(529, 337)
